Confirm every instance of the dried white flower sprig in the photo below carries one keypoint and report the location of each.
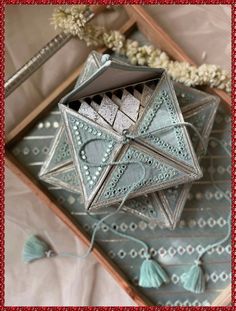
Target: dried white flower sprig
(72, 20)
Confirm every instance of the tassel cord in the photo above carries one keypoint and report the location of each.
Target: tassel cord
(126, 139)
(170, 126)
(223, 240)
(102, 220)
(123, 235)
(194, 279)
(152, 274)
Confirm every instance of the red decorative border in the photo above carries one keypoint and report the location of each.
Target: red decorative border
(103, 2)
(120, 2)
(233, 238)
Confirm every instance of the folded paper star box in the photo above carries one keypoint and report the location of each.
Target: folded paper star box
(125, 132)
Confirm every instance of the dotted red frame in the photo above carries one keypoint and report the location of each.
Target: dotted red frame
(2, 137)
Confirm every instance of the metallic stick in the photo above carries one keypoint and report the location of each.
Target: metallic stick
(43, 55)
(35, 62)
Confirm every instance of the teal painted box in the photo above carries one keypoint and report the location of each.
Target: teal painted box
(110, 97)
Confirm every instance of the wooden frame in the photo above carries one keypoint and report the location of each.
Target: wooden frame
(149, 27)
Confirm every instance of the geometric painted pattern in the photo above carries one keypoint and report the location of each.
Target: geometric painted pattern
(106, 145)
(199, 223)
(201, 113)
(173, 145)
(171, 252)
(155, 168)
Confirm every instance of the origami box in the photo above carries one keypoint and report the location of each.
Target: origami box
(112, 96)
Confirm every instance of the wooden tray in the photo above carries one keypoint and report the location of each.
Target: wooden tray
(155, 34)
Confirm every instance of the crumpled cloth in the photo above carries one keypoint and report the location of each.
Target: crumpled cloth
(200, 30)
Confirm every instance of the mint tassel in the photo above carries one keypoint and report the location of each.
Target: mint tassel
(152, 274)
(35, 248)
(194, 280)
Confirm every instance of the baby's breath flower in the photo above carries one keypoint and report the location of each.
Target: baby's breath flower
(72, 20)
(114, 40)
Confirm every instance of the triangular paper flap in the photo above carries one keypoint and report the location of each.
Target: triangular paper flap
(202, 117)
(189, 97)
(112, 75)
(149, 208)
(173, 143)
(159, 173)
(65, 177)
(92, 64)
(102, 149)
(173, 201)
(59, 154)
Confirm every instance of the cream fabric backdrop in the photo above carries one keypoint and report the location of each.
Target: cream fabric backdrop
(69, 282)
